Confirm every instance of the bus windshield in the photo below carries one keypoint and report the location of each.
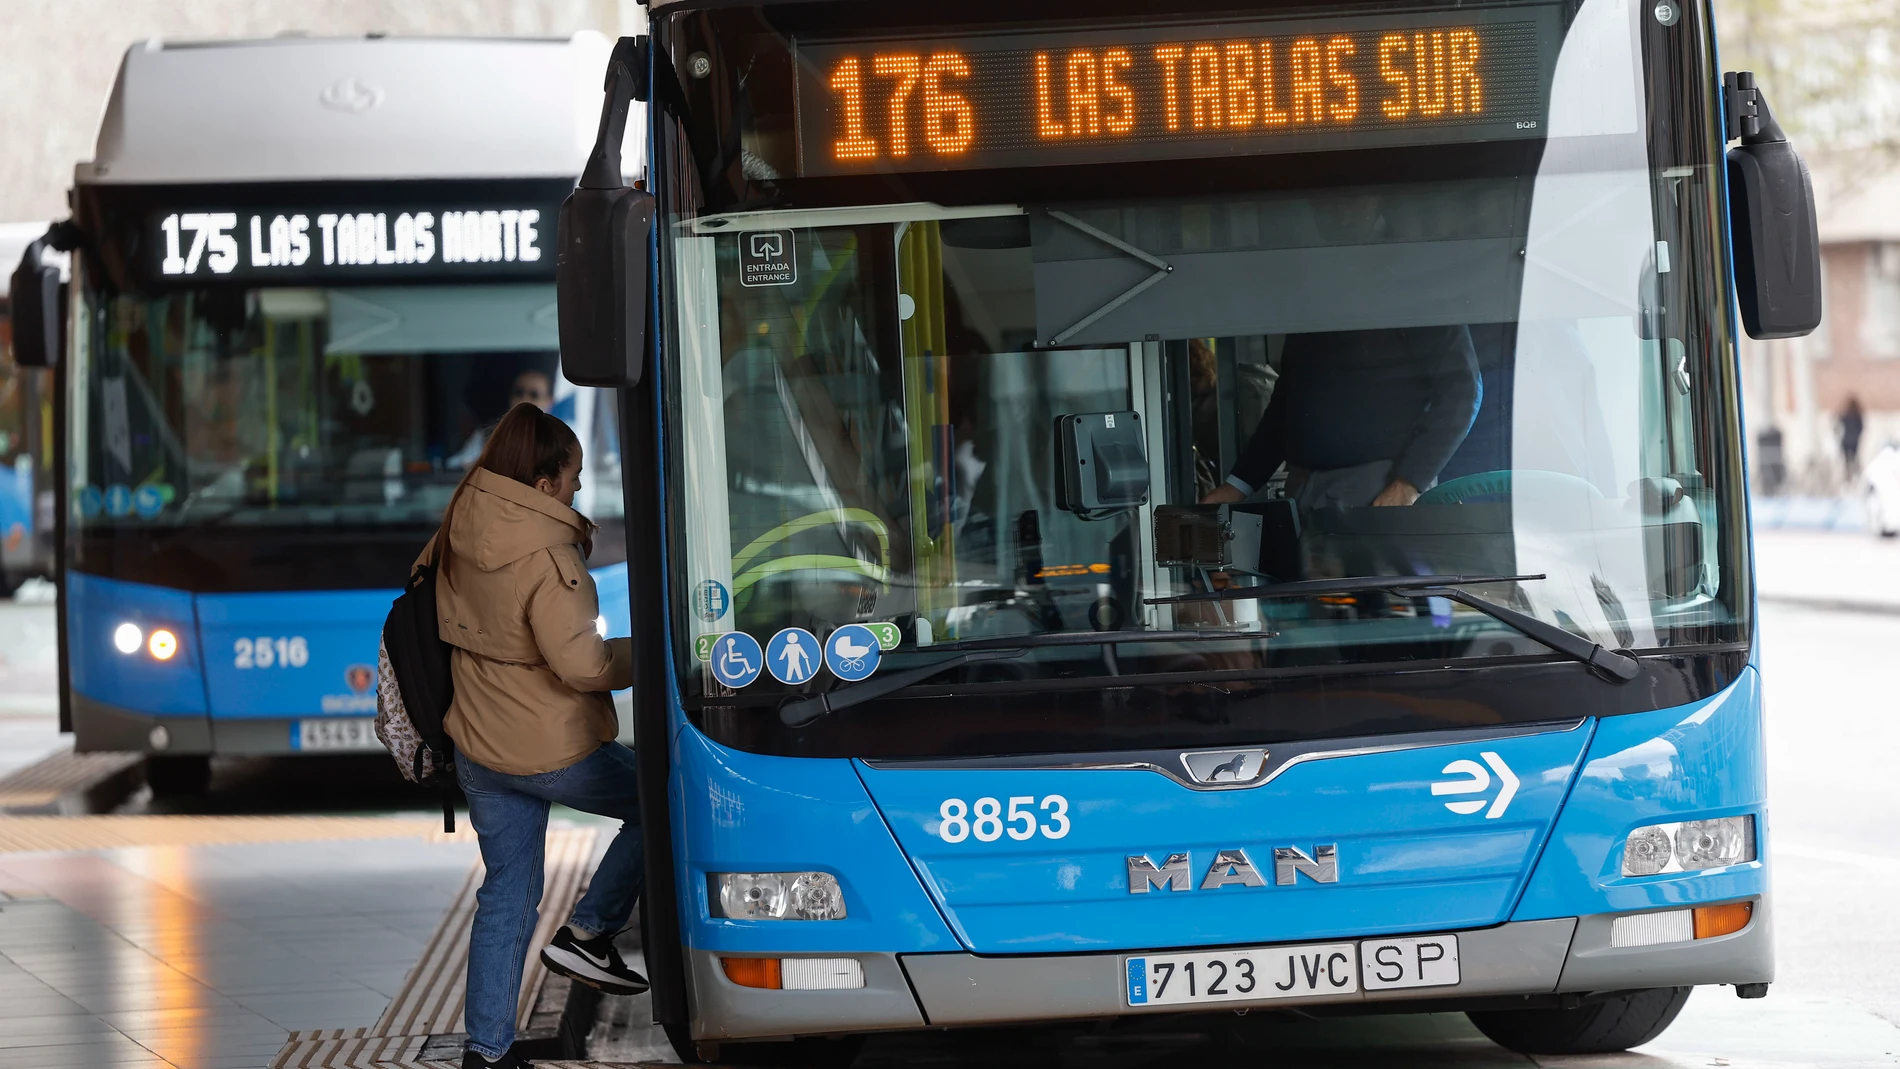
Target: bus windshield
(312, 407)
(975, 327)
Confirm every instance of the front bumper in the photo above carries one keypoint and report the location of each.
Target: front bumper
(1541, 957)
(102, 726)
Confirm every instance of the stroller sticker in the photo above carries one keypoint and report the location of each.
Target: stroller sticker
(852, 652)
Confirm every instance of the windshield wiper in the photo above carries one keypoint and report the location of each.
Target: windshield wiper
(801, 711)
(1616, 665)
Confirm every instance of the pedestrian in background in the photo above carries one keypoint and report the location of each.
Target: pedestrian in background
(1853, 423)
(532, 719)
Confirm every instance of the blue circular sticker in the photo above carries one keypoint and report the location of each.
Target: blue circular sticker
(852, 652)
(148, 501)
(793, 656)
(118, 500)
(736, 659)
(91, 503)
(711, 600)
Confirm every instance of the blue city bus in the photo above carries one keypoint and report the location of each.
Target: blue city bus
(307, 275)
(1138, 512)
(26, 454)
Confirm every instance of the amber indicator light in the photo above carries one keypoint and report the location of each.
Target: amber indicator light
(752, 972)
(1711, 921)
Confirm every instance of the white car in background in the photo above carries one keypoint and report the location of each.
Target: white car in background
(1882, 479)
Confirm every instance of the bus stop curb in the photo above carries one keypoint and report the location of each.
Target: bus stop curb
(72, 784)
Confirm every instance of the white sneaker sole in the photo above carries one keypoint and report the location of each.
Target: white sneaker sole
(578, 968)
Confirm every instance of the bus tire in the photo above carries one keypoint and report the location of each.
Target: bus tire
(178, 775)
(1612, 1024)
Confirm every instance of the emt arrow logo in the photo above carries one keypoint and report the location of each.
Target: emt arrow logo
(1473, 779)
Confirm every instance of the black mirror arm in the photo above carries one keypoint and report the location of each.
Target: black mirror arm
(1749, 117)
(626, 70)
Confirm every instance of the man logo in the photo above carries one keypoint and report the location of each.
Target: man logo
(1233, 868)
(1225, 768)
(360, 678)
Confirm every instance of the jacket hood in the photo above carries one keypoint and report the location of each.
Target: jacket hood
(499, 521)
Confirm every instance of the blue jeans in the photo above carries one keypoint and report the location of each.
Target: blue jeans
(510, 816)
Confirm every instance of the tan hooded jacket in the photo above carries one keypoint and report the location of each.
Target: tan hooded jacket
(531, 674)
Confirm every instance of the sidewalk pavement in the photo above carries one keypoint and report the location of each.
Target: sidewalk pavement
(206, 955)
(1838, 570)
(29, 685)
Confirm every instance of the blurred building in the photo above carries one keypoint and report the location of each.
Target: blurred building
(1796, 390)
(58, 59)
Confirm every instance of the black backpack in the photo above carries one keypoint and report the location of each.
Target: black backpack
(413, 690)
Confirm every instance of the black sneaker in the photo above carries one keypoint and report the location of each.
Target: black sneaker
(510, 1060)
(594, 962)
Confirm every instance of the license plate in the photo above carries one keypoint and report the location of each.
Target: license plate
(1292, 972)
(341, 733)
(1414, 961)
(1244, 975)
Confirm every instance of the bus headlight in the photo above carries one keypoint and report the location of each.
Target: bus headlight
(772, 896)
(127, 638)
(162, 644)
(1689, 846)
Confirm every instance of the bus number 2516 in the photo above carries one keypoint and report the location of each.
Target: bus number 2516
(988, 821)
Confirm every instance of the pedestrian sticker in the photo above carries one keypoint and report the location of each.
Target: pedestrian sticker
(768, 258)
(91, 502)
(118, 500)
(703, 647)
(888, 636)
(793, 656)
(736, 659)
(852, 652)
(710, 600)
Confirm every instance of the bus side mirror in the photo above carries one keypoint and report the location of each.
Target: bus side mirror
(36, 300)
(605, 232)
(1771, 219)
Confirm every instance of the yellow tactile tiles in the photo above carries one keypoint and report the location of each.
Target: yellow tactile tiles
(430, 1002)
(19, 834)
(41, 784)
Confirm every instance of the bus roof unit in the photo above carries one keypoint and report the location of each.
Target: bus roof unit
(302, 109)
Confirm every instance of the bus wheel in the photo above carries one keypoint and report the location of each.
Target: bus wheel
(1612, 1024)
(184, 774)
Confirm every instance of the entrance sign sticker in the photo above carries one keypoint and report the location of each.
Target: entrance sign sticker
(768, 258)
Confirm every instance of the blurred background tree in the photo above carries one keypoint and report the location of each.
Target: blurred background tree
(1831, 69)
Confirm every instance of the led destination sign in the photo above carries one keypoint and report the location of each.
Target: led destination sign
(382, 243)
(1160, 92)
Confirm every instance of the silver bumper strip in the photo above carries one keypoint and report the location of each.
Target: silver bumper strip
(1564, 954)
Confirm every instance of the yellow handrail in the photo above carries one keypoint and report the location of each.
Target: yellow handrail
(821, 518)
(804, 561)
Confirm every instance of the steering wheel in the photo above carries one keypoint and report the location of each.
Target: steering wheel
(1495, 487)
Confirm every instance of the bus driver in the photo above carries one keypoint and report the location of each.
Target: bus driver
(1363, 417)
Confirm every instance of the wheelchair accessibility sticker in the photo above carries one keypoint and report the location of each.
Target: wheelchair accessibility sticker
(736, 659)
(793, 656)
(852, 652)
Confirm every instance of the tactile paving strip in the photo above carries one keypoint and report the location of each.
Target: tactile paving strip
(430, 1001)
(42, 784)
